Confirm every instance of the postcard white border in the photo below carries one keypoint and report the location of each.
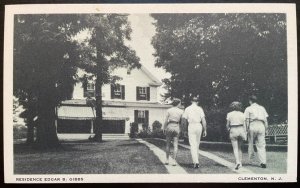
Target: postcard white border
(288, 9)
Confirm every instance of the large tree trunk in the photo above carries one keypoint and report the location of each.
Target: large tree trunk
(46, 133)
(98, 87)
(46, 129)
(30, 131)
(98, 122)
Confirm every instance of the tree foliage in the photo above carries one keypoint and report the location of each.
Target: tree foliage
(44, 68)
(224, 57)
(47, 56)
(104, 51)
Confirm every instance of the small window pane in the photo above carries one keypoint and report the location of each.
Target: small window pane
(90, 86)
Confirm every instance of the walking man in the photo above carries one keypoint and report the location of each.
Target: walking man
(171, 129)
(257, 124)
(195, 117)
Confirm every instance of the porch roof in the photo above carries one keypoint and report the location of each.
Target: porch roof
(106, 103)
(83, 113)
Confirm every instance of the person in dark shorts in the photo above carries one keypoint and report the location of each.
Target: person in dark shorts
(172, 130)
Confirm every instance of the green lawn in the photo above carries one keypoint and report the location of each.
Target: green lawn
(276, 162)
(110, 157)
(127, 157)
(184, 159)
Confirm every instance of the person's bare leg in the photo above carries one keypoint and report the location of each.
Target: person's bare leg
(168, 141)
(234, 143)
(240, 151)
(175, 149)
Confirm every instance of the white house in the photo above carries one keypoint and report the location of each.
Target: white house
(132, 99)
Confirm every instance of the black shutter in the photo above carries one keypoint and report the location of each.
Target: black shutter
(136, 116)
(112, 89)
(137, 93)
(84, 85)
(123, 91)
(147, 117)
(148, 93)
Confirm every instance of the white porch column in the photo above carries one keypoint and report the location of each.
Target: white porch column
(55, 122)
(92, 126)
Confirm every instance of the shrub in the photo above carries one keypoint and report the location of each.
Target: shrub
(216, 125)
(145, 127)
(133, 130)
(145, 133)
(19, 132)
(157, 131)
(156, 125)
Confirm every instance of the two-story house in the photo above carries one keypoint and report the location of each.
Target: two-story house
(132, 99)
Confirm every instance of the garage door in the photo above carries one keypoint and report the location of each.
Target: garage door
(113, 126)
(73, 126)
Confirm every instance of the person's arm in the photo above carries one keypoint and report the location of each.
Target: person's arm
(247, 119)
(166, 122)
(266, 119)
(204, 126)
(227, 122)
(184, 121)
(266, 125)
(227, 125)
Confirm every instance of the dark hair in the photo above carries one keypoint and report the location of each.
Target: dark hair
(236, 106)
(176, 101)
(253, 98)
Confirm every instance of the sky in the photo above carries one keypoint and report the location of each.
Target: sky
(142, 32)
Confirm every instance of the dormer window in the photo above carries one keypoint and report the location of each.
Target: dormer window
(117, 91)
(143, 93)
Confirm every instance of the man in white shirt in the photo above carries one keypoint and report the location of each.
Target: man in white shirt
(257, 124)
(195, 117)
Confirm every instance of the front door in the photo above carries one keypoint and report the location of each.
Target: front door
(113, 126)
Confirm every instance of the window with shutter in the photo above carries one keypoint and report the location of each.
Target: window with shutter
(136, 116)
(141, 116)
(148, 93)
(117, 91)
(137, 93)
(141, 93)
(146, 117)
(123, 92)
(89, 90)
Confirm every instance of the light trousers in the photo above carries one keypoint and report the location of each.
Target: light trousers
(237, 135)
(257, 135)
(195, 131)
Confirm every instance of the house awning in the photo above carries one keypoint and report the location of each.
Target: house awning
(76, 112)
(87, 113)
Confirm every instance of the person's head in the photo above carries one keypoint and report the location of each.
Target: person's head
(235, 106)
(194, 100)
(252, 99)
(176, 102)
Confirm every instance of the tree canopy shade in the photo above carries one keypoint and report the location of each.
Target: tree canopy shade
(44, 69)
(104, 51)
(47, 56)
(224, 57)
